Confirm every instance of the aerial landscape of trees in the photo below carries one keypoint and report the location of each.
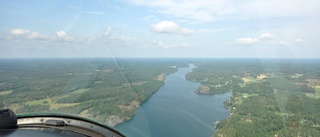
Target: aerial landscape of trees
(270, 97)
(107, 90)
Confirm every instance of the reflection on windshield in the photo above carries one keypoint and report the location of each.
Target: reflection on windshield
(223, 68)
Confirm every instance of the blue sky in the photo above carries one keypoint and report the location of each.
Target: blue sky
(160, 28)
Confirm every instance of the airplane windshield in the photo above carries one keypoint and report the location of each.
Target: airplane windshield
(166, 68)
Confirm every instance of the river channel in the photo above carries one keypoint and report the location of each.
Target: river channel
(176, 111)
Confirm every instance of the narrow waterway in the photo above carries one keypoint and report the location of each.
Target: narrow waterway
(176, 111)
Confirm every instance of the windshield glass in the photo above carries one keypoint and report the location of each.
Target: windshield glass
(166, 67)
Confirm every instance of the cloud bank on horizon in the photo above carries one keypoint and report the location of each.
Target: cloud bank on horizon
(160, 28)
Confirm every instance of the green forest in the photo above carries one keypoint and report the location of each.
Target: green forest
(269, 97)
(107, 90)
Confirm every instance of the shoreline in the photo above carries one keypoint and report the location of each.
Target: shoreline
(129, 118)
(142, 102)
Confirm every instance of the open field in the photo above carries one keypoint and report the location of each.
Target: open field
(6, 92)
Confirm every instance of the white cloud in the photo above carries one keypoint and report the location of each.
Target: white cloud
(119, 8)
(20, 31)
(247, 41)
(212, 10)
(283, 43)
(276, 8)
(266, 36)
(86, 12)
(109, 37)
(298, 40)
(170, 27)
(200, 10)
(35, 35)
(112, 35)
(24, 33)
(213, 30)
(63, 36)
(164, 45)
(169, 46)
(92, 12)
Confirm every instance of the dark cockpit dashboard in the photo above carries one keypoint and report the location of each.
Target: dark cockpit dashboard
(51, 125)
